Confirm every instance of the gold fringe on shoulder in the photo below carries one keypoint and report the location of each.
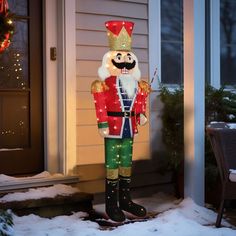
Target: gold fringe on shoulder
(145, 86)
(98, 86)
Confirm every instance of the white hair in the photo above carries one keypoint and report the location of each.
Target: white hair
(128, 83)
(104, 73)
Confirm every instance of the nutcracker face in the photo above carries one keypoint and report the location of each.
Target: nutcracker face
(121, 63)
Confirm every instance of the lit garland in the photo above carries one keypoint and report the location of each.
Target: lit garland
(6, 26)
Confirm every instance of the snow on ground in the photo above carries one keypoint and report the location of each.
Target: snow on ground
(183, 218)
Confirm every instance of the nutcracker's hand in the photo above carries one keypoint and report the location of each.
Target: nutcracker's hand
(104, 132)
(143, 119)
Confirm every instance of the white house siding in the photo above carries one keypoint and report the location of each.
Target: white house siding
(91, 45)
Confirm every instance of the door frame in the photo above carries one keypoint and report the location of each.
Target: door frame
(60, 86)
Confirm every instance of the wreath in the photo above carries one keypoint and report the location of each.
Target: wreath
(6, 26)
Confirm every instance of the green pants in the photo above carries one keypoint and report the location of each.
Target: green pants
(118, 157)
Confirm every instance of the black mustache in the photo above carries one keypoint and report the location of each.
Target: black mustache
(122, 65)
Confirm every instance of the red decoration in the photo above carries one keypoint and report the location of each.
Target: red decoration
(7, 27)
(4, 7)
(5, 44)
(116, 26)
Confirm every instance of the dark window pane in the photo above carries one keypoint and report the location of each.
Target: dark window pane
(14, 60)
(228, 65)
(18, 7)
(172, 41)
(14, 125)
(228, 41)
(172, 63)
(228, 21)
(172, 20)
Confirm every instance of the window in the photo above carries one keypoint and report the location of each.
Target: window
(228, 42)
(166, 41)
(172, 41)
(166, 31)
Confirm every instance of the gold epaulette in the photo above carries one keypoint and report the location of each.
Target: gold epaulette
(98, 86)
(144, 86)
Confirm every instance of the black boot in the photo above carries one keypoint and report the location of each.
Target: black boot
(125, 201)
(112, 209)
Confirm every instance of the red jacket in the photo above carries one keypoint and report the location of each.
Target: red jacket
(107, 98)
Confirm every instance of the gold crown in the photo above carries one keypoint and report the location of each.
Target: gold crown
(119, 35)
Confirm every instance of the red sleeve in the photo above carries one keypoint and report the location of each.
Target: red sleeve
(101, 109)
(141, 102)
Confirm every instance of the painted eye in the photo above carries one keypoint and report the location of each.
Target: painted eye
(129, 57)
(118, 56)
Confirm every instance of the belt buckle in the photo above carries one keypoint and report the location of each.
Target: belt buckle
(127, 114)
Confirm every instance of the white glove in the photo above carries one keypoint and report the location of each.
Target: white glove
(143, 119)
(104, 132)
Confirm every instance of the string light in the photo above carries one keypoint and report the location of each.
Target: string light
(10, 22)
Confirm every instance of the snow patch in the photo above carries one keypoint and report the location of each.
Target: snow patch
(44, 174)
(10, 149)
(180, 219)
(232, 171)
(232, 125)
(37, 193)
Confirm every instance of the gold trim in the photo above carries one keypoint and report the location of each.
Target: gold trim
(125, 171)
(98, 87)
(112, 173)
(121, 42)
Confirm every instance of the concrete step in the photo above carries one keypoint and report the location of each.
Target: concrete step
(10, 184)
(50, 207)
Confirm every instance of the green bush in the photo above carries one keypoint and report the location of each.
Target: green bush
(220, 105)
(173, 125)
(6, 223)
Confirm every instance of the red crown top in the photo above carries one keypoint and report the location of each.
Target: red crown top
(116, 26)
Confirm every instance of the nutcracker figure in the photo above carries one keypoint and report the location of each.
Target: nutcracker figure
(120, 101)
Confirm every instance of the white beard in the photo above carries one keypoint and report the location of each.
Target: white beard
(128, 83)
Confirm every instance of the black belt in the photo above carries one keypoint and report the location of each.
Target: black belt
(121, 114)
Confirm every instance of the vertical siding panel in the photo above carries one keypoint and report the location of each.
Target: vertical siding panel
(91, 45)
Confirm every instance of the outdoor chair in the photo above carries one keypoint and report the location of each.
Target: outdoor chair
(223, 142)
